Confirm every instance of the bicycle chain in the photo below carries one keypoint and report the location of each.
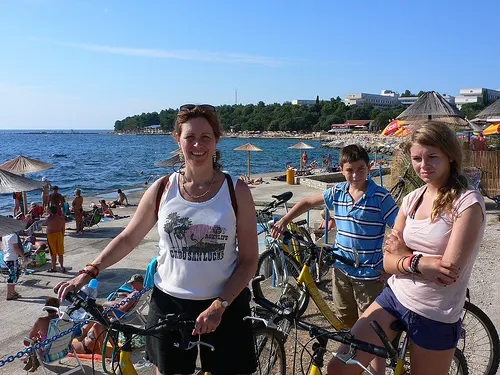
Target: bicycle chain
(78, 325)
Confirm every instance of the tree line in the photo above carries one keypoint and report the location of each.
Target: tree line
(283, 117)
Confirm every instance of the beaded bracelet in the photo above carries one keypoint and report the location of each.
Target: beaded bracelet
(415, 263)
(409, 265)
(95, 267)
(88, 272)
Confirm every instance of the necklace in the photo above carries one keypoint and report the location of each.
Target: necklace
(197, 196)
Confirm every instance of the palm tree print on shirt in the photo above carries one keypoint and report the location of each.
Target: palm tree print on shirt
(198, 242)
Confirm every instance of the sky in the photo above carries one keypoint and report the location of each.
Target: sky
(85, 64)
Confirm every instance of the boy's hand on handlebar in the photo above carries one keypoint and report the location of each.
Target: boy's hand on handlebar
(441, 272)
(72, 285)
(278, 228)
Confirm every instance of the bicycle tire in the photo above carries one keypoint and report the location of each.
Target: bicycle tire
(479, 341)
(267, 264)
(269, 350)
(397, 191)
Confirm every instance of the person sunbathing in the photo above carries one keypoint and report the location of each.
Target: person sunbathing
(106, 210)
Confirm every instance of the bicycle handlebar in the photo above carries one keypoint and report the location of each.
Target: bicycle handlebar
(172, 322)
(312, 246)
(344, 337)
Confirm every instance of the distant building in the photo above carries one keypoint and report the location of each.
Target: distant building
(303, 102)
(408, 100)
(476, 95)
(386, 99)
(351, 125)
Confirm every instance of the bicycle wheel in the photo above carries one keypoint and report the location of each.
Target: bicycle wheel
(458, 364)
(397, 191)
(479, 341)
(274, 287)
(269, 350)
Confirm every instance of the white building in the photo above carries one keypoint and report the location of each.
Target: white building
(476, 95)
(303, 102)
(386, 99)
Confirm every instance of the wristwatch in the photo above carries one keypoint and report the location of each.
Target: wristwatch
(223, 302)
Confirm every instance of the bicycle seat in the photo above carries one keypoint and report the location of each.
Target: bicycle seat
(301, 222)
(285, 197)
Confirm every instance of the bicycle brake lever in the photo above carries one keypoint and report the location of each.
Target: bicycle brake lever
(345, 358)
(266, 322)
(192, 344)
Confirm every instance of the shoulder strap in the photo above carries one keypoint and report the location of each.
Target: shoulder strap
(230, 185)
(159, 194)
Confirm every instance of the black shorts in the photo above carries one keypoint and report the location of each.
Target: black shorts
(233, 341)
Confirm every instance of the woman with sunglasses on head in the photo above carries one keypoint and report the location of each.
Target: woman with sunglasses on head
(430, 253)
(200, 271)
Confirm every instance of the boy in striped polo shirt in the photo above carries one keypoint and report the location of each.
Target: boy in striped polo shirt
(362, 209)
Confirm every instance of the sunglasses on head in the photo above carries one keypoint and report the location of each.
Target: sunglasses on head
(189, 107)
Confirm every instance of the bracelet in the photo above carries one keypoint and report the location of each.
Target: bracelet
(415, 263)
(410, 260)
(88, 272)
(94, 266)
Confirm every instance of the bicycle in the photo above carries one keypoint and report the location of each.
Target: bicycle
(321, 335)
(479, 340)
(401, 186)
(475, 175)
(264, 338)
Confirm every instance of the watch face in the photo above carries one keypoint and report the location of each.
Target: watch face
(225, 303)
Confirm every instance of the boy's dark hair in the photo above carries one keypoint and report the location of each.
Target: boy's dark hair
(353, 153)
(55, 187)
(53, 209)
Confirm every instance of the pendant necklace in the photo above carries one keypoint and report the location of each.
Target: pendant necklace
(197, 196)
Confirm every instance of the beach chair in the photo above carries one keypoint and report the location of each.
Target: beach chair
(91, 218)
(36, 226)
(61, 347)
(135, 313)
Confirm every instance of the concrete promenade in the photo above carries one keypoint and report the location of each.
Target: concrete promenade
(18, 316)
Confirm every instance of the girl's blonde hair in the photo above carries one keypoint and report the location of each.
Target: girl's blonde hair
(438, 134)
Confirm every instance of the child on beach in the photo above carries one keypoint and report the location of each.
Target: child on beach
(361, 210)
(56, 226)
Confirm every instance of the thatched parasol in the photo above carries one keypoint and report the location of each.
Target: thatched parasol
(22, 165)
(11, 182)
(248, 147)
(490, 113)
(9, 225)
(301, 146)
(432, 106)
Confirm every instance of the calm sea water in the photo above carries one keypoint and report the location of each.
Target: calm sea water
(100, 163)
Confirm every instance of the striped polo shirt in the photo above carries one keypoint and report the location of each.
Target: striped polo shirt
(361, 226)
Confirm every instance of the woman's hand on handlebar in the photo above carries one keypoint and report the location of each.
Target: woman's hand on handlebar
(278, 228)
(73, 285)
(209, 320)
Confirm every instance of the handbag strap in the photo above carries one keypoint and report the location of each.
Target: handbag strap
(232, 194)
(159, 194)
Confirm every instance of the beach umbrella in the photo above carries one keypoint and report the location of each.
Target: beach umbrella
(9, 225)
(492, 129)
(11, 182)
(301, 146)
(22, 165)
(432, 106)
(490, 114)
(393, 126)
(249, 147)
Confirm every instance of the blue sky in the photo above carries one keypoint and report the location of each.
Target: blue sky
(84, 64)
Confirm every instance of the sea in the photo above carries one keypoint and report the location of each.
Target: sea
(100, 162)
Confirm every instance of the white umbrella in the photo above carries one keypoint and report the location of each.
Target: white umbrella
(11, 182)
(301, 146)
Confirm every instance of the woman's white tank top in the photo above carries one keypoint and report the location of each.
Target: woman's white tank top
(197, 243)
